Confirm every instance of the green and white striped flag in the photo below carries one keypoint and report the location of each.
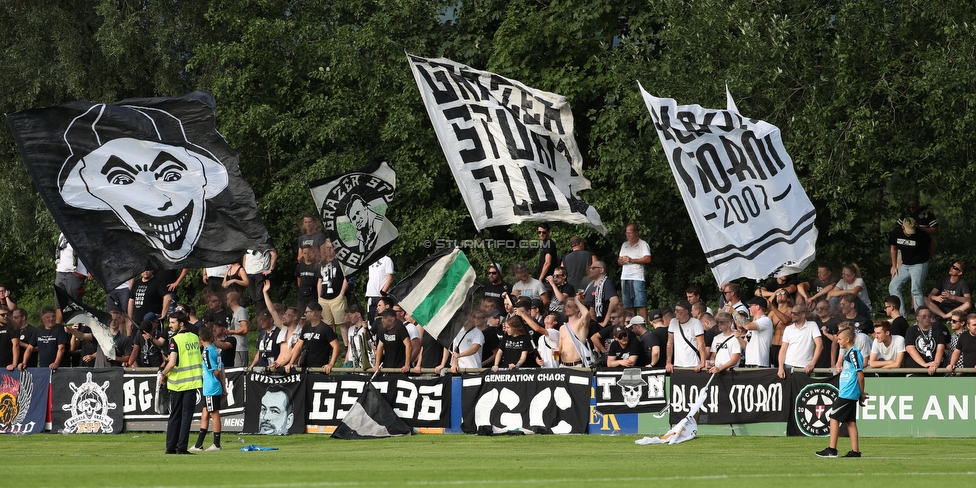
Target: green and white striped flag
(438, 293)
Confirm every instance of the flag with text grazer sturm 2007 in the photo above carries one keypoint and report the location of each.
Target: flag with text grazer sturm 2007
(752, 217)
(511, 148)
(141, 184)
(437, 293)
(353, 207)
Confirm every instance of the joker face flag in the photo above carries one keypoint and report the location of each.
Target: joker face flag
(354, 208)
(142, 184)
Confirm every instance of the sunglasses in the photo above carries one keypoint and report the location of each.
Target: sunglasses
(954, 267)
(493, 272)
(622, 336)
(954, 321)
(558, 276)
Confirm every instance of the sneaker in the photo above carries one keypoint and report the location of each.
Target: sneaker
(828, 453)
(856, 454)
(213, 448)
(195, 449)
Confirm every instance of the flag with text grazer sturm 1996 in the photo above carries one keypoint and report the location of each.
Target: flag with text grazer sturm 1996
(74, 312)
(437, 294)
(354, 207)
(511, 148)
(752, 217)
(141, 184)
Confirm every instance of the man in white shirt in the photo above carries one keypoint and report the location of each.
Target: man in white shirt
(686, 340)
(380, 280)
(756, 335)
(802, 344)
(725, 347)
(466, 346)
(634, 254)
(887, 351)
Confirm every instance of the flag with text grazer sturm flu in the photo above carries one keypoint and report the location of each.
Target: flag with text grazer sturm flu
(141, 184)
(511, 148)
(353, 207)
(437, 293)
(752, 217)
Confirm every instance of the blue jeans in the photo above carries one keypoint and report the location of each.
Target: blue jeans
(917, 273)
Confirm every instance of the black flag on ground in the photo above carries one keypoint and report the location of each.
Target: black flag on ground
(371, 417)
(74, 312)
(142, 184)
(354, 207)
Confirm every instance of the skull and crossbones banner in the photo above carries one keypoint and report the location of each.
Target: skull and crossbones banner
(87, 401)
(631, 390)
(141, 184)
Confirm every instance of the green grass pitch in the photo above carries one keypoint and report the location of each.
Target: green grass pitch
(137, 460)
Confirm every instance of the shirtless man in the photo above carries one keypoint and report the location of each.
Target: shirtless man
(577, 325)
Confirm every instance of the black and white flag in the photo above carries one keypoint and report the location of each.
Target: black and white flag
(275, 405)
(87, 401)
(371, 417)
(354, 208)
(74, 312)
(142, 184)
(752, 217)
(511, 148)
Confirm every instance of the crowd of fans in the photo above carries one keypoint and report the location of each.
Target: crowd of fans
(563, 312)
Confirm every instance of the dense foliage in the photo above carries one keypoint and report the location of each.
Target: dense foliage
(873, 99)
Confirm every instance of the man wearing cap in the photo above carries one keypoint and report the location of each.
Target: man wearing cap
(634, 254)
(527, 286)
(916, 249)
(658, 332)
(577, 263)
(558, 289)
(951, 293)
(394, 346)
(755, 336)
(146, 346)
(686, 340)
(626, 351)
(802, 344)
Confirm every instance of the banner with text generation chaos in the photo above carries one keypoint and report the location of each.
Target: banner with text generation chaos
(742, 396)
(87, 401)
(139, 402)
(631, 390)
(275, 404)
(542, 401)
(511, 148)
(420, 401)
(23, 400)
(752, 217)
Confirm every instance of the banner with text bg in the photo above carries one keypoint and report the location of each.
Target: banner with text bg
(510, 147)
(751, 215)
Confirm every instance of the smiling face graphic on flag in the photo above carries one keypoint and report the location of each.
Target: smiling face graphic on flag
(157, 189)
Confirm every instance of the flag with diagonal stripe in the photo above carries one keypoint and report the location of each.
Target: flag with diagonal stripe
(75, 312)
(370, 418)
(438, 293)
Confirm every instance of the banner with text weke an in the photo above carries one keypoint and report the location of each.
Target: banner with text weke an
(511, 148)
(752, 217)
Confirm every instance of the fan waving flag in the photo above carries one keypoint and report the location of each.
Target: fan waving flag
(353, 207)
(142, 184)
(75, 312)
(437, 294)
(511, 148)
(371, 417)
(752, 217)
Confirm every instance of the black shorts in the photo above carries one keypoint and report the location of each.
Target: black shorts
(844, 410)
(212, 403)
